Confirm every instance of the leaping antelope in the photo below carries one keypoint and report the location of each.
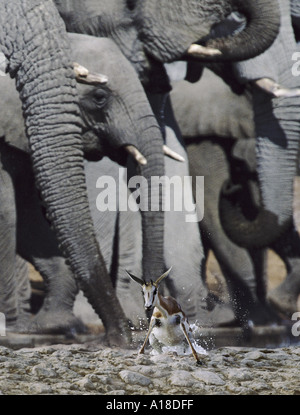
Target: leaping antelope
(169, 325)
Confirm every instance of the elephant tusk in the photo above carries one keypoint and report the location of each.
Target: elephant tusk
(83, 76)
(198, 51)
(80, 71)
(170, 153)
(140, 159)
(276, 90)
(136, 154)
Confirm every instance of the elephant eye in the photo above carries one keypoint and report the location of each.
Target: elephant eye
(100, 97)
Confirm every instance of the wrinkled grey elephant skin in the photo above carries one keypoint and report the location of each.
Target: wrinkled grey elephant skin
(278, 133)
(105, 120)
(147, 29)
(277, 121)
(219, 144)
(148, 36)
(60, 295)
(270, 37)
(57, 173)
(61, 291)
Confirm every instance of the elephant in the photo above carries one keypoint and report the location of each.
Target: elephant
(151, 32)
(158, 83)
(272, 117)
(42, 251)
(136, 28)
(277, 132)
(280, 112)
(219, 138)
(50, 106)
(108, 112)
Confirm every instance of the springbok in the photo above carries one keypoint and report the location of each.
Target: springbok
(169, 325)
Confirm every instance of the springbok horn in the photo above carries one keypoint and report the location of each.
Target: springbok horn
(198, 51)
(136, 279)
(83, 76)
(276, 90)
(170, 153)
(164, 275)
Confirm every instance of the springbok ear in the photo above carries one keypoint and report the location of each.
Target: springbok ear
(164, 275)
(136, 279)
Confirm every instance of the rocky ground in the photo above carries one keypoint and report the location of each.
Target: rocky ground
(95, 369)
(91, 368)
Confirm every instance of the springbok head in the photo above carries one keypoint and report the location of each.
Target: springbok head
(149, 288)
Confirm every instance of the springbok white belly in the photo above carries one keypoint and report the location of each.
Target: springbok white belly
(168, 332)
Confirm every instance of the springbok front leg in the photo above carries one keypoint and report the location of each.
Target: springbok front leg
(151, 325)
(190, 344)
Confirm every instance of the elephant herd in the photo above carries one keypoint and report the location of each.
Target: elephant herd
(91, 95)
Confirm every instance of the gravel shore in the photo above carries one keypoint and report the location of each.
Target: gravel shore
(95, 369)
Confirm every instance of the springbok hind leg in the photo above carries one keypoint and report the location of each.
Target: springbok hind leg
(190, 344)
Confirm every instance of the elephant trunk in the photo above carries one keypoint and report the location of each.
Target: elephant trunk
(168, 32)
(46, 83)
(127, 119)
(263, 17)
(144, 133)
(277, 128)
(132, 121)
(153, 217)
(276, 157)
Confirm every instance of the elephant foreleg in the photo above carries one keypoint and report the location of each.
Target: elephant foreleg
(209, 159)
(8, 284)
(37, 243)
(24, 293)
(285, 296)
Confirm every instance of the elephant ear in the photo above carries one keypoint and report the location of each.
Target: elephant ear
(12, 126)
(136, 279)
(198, 113)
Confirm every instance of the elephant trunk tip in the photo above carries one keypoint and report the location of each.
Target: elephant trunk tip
(250, 39)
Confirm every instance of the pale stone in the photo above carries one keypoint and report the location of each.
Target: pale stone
(208, 377)
(134, 378)
(182, 378)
